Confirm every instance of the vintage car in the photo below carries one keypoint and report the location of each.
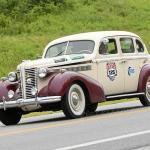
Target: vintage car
(76, 73)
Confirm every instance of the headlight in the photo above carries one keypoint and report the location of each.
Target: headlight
(12, 77)
(42, 72)
(11, 94)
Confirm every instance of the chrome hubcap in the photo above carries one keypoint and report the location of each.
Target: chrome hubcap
(76, 99)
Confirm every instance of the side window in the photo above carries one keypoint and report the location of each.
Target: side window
(108, 48)
(127, 45)
(139, 46)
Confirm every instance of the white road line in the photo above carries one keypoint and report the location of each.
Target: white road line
(104, 140)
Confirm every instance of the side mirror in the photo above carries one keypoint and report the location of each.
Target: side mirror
(105, 41)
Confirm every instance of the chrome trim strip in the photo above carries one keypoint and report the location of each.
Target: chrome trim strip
(80, 68)
(72, 68)
(24, 102)
(71, 64)
(124, 95)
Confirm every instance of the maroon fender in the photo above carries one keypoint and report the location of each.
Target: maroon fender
(144, 74)
(59, 84)
(5, 86)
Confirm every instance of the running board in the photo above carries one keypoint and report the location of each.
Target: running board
(129, 95)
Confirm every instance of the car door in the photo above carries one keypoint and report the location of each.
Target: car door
(131, 63)
(110, 67)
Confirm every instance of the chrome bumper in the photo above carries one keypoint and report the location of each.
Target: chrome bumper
(23, 102)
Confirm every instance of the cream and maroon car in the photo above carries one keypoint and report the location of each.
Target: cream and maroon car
(76, 73)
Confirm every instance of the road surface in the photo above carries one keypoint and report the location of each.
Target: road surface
(124, 126)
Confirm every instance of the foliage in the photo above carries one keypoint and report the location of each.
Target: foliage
(26, 26)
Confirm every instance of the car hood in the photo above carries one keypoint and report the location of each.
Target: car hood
(55, 61)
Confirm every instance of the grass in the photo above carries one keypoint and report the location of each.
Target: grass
(37, 114)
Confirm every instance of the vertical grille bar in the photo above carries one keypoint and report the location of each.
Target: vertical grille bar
(20, 95)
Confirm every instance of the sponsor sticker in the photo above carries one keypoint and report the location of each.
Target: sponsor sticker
(111, 70)
(131, 71)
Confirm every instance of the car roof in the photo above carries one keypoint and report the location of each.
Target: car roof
(93, 36)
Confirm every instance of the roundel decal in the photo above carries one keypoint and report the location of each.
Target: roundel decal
(111, 70)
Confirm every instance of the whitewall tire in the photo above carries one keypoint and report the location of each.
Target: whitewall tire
(74, 102)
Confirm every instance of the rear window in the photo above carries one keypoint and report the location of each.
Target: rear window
(139, 46)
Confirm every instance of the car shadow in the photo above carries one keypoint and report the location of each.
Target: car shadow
(63, 118)
(117, 110)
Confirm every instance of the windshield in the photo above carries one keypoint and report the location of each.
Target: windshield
(72, 47)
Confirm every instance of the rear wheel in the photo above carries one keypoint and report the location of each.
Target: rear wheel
(74, 102)
(10, 116)
(145, 100)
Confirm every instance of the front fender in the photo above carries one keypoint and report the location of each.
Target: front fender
(59, 84)
(5, 86)
(144, 74)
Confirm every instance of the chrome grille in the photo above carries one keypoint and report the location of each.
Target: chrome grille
(20, 95)
(30, 81)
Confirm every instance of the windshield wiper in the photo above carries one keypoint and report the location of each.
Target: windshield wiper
(59, 53)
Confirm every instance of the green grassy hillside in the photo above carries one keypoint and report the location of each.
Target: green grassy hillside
(26, 26)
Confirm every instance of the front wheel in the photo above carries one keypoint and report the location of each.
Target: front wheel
(91, 108)
(74, 102)
(10, 116)
(145, 100)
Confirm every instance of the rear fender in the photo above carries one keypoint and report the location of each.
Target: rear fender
(59, 84)
(144, 74)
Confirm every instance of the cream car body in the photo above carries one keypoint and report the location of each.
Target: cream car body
(88, 68)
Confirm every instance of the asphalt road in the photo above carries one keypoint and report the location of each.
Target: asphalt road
(116, 127)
